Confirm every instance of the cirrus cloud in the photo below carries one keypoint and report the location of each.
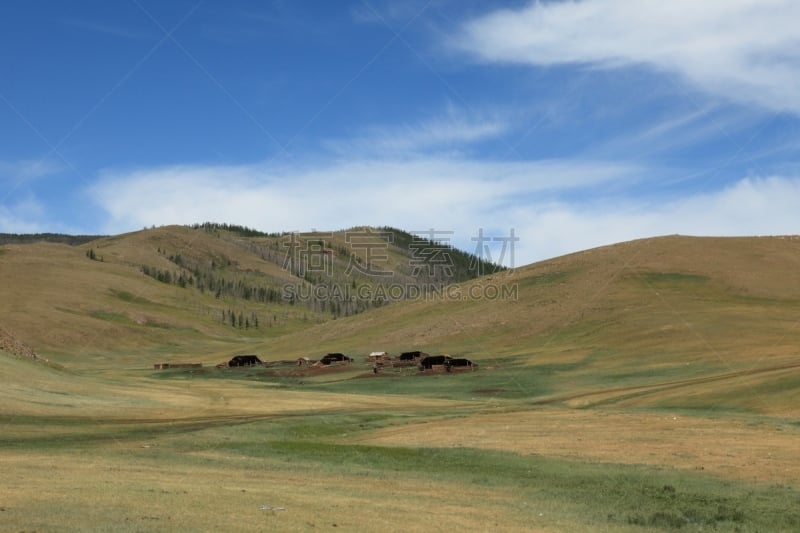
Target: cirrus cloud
(747, 51)
(547, 203)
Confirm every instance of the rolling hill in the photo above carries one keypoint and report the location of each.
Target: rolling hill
(657, 312)
(647, 385)
(667, 310)
(197, 290)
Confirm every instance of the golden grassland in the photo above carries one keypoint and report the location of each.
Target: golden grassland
(220, 454)
(650, 385)
(79, 455)
(132, 492)
(735, 447)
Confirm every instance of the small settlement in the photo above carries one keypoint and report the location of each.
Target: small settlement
(379, 361)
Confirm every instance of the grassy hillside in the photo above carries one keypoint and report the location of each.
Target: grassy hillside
(671, 321)
(193, 292)
(650, 385)
(645, 313)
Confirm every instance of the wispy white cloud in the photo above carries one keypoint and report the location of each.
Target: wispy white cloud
(747, 51)
(453, 129)
(17, 214)
(687, 129)
(25, 216)
(534, 198)
(443, 193)
(750, 206)
(28, 169)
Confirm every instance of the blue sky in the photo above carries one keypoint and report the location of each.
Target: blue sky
(576, 123)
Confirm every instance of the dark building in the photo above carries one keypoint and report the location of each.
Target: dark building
(429, 362)
(410, 356)
(335, 358)
(244, 360)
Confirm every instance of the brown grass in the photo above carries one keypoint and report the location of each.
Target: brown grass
(683, 351)
(739, 448)
(71, 491)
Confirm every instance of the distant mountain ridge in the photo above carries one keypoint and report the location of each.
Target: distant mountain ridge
(29, 238)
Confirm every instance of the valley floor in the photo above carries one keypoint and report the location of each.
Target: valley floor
(92, 453)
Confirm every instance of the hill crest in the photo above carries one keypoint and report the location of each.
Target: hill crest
(667, 309)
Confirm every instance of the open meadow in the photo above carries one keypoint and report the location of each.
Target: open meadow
(652, 385)
(400, 266)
